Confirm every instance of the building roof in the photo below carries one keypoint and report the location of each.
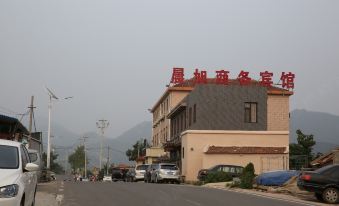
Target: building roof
(8, 119)
(245, 150)
(189, 84)
(325, 159)
(168, 90)
(11, 120)
(181, 106)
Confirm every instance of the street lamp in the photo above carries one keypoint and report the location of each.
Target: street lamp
(51, 97)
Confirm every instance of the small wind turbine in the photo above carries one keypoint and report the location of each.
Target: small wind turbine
(51, 95)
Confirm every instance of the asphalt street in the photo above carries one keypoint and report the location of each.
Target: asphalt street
(141, 194)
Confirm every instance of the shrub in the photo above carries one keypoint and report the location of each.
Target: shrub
(247, 177)
(218, 177)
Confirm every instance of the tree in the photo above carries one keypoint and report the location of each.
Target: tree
(77, 159)
(54, 166)
(247, 177)
(302, 149)
(139, 148)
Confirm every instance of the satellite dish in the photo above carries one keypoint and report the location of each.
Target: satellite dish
(50, 93)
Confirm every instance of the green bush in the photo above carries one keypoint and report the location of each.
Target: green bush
(247, 177)
(218, 177)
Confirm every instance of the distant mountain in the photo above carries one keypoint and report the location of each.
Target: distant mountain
(118, 145)
(324, 127)
(65, 141)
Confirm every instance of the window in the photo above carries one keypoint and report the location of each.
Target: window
(190, 116)
(185, 121)
(9, 157)
(179, 126)
(174, 127)
(194, 113)
(250, 112)
(182, 122)
(226, 169)
(183, 152)
(166, 133)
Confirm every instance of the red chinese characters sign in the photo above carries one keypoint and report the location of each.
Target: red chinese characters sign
(222, 77)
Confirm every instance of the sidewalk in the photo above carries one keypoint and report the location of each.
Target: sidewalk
(303, 198)
(46, 194)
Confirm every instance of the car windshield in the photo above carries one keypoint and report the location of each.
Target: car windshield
(9, 157)
(169, 167)
(142, 167)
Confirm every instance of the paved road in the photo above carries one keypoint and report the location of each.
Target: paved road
(141, 194)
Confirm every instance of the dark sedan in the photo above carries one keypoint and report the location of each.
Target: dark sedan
(232, 170)
(324, 182)
(119, 174)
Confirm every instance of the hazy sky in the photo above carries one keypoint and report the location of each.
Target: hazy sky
(115, 57)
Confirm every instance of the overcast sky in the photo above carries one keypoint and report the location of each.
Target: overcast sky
(115, 57)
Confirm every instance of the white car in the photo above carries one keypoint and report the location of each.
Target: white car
(140, 172)
(107, 179)
(18, 178)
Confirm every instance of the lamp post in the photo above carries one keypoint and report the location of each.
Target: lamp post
(51, 97)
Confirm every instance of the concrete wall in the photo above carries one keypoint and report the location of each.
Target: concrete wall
(176, 97)
(221, 107)
(278, 113)
(194, 142)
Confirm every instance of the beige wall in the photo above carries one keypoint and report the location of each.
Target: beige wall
(161, 130)
(277, 113)
(195, 142)
(153, 153)
(262, 162)
(176, 97)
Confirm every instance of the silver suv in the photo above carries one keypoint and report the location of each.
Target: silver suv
(140, 171)
(165, 172)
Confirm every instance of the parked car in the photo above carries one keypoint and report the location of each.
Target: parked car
(130, 175)
(18, 178)
(233, 170)
(35, 158)
(107, 178)
(148, 173)
(165, 172)
(324, 182)
(118, 174)
(140, 171)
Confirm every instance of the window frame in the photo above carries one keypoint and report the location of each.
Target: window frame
(249, 119)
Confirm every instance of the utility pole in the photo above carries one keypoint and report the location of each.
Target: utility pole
(107, 158)
(31, 107)
(85, 156)
(66, 157)
(31, 110)
(102, 125)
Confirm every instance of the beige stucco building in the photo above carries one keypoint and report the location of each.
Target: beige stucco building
(203, 125)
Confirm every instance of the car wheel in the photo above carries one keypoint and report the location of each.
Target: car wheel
(331, 195)
(319, 197)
